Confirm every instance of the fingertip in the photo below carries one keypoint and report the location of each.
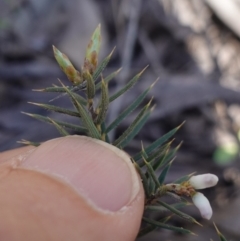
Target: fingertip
(66, 211)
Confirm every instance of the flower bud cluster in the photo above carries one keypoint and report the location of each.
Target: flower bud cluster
(189, 189)
(199, 200)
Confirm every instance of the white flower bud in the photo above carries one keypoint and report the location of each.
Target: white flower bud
(203, 181)
(202, 203)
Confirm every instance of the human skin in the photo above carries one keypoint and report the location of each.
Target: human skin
(70, 188)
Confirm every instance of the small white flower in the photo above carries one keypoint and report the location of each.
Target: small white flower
(203, 181)
(202, 203)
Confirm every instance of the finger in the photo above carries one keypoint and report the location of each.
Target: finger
(73, 188)
(4, 156)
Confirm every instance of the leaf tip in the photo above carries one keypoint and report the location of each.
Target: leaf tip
(34, 103)
(38, 90)
(25, 113)
(152, 85)
(142, 71)
(181, 125)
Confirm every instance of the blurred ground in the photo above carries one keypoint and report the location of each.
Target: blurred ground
(192, 46)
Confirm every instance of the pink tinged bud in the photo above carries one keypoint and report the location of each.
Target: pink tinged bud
(202, 203)
(203, 181)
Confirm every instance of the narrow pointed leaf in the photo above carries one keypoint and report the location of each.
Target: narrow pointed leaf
(157, 208)
(128, 110)
(29, 143)
(160, 151)
(151, 228)
(56, 109)
(162, 208)
(108, 78)
(169, 156)
(61, 130)
(166, 226)
(58, 89)
(131, 130)
(104, 134)
(152, 173)
(184, 178)
(143, 178)
(130, 84)
(222, 238)
(104, 104)
(156, 157)
(137, 128)
(53, 89)
(151, 187)
(164, 173)
(162, 159)
(146, 230)
(79, 98)
(86, 119)
(157, 143)
(61, 123)
(102, 66)
(90, 85)
(178, 213)
(67, 67)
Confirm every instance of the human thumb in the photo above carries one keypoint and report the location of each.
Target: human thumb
(71, 188)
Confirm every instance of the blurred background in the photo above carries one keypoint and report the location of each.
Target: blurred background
(192, 46)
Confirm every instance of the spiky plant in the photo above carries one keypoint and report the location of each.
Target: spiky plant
(150, 161)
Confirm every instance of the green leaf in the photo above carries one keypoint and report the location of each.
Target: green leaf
(153, 183)
(150, 228)
(169, 156)
(157, 143)
(222, 238)
(86, 119)
(137, 128)
(29, 143)
(158, 154)
(102, 66)
(129, 109)
(161, 160)
(166, 226)
(53, 89)
(61, 123)
(130, 84)
(80, 99)
(143, 178)
(133, 129)
(152, 173)
(108, 78)
(61, 130)
(184, 178)
(161, 208)
(103, 105)
(57, 89)
(157, 157)
(56, 109)
(164, 173)
(178, 213)
(104, 134)
(151, 188)
(90, 85)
